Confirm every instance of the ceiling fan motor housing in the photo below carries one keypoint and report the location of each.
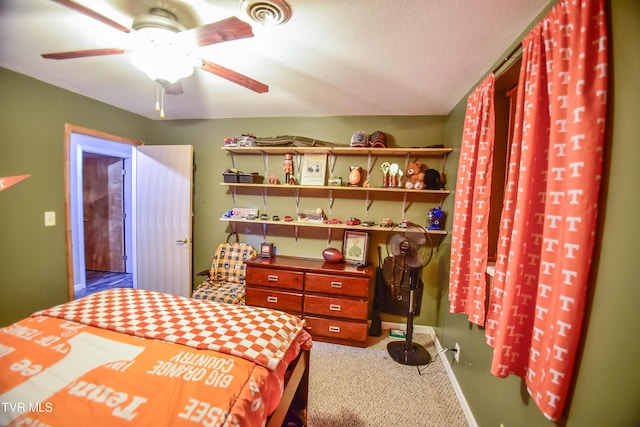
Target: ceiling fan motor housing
(158, 18)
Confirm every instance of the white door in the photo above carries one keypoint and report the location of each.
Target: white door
(163, 194)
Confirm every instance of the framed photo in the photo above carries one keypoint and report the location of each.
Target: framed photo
(314, 169)
(354, 247)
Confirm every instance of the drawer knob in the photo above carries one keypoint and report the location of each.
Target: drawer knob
(334, 307)
(336, 285)
(335, 329)
(272, 299)
(272, 278)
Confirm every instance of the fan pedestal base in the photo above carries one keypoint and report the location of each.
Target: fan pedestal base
(416, 355)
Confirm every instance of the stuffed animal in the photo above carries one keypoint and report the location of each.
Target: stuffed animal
(414, 176)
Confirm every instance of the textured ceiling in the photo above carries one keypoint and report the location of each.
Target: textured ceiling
(333, 57)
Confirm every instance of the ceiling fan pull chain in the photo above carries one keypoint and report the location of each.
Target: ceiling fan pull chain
(162, 103)
(296, 194)
(328, 236)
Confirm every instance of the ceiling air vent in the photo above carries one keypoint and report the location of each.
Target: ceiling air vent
(267, 12)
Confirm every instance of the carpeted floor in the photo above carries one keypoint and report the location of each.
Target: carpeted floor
(355, 387)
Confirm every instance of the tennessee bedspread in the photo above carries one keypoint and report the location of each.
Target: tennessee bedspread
(133, 357)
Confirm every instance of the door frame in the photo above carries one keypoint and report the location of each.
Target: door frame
(75, 256)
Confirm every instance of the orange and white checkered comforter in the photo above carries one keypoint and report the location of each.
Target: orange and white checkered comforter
(134, 357)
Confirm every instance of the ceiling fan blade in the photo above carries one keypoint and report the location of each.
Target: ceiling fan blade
(92, 14)
(235, 77)
(226, 30)
(173, 88)
(82, 53)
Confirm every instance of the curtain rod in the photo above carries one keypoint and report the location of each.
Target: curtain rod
(517, 51)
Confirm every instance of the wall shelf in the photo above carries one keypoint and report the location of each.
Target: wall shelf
(342, 150)
(337, 188)
(318, 225)
(406, 196)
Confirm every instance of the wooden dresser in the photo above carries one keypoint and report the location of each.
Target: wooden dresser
(334, 299)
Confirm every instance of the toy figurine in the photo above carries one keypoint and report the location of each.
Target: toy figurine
(435, 218)
(287, 168)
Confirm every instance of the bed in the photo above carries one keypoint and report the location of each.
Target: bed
(136, 357)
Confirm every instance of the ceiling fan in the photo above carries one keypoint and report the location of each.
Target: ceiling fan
(162, 46)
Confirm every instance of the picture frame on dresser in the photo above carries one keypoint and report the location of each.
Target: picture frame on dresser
(355, 247)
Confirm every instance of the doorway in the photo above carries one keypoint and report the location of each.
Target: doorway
(158, 197)
(105, 228)
(98, 206)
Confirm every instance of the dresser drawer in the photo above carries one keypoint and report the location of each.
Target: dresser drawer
(334, 284)
(275, 278)
(336, 307)
(336, 329)
(284, 301)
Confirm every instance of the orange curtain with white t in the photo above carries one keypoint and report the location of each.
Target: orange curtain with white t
(469, 233)
(548, 221)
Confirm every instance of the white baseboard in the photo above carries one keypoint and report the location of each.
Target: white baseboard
(420, 329)
(454, 383)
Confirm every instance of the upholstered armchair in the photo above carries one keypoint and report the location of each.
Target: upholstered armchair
(226, 278)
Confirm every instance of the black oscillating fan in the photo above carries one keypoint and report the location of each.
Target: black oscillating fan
(410, 249)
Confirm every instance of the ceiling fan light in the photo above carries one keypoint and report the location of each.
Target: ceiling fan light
(161, 64)
(155, 35)
(155, 49)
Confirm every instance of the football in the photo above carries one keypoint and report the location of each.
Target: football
(332, 255)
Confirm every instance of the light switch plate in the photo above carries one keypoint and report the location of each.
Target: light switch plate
(49, 219)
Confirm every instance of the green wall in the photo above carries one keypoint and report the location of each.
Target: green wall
(607, 380)
(34, 265)
(33, 262)
(606, 389)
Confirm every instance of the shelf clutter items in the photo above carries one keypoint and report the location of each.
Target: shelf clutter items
(234, 175)
(308, 164)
